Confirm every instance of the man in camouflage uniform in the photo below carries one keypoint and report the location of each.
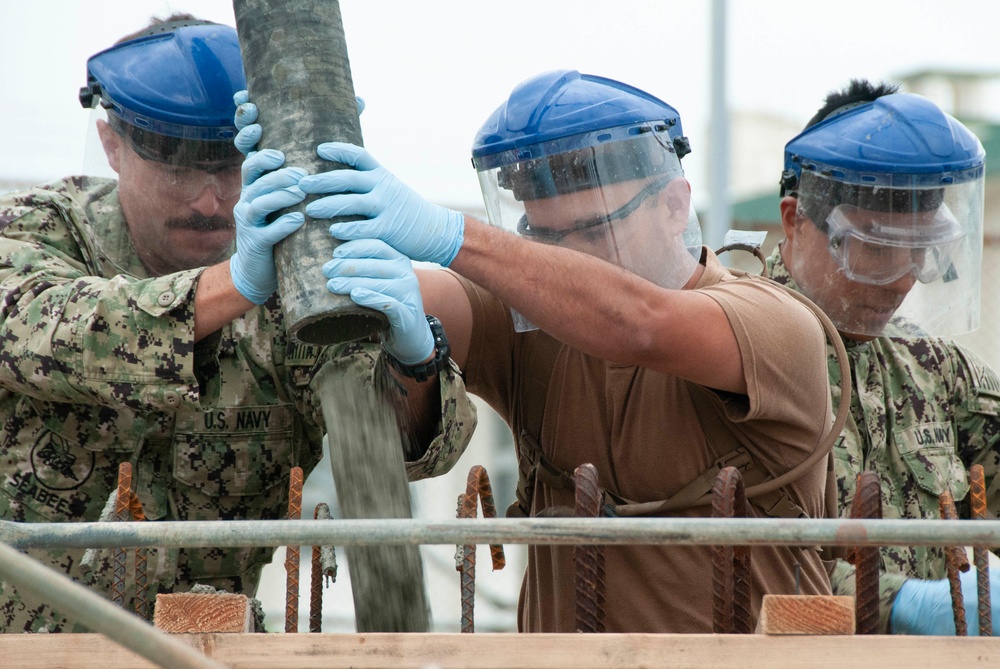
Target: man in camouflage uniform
(924, 409)
(132, 332)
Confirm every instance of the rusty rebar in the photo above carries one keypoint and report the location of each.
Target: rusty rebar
(292, 554)
(867, 503)
(731, 613)
(956, 561)
(589, 558)
(981, 554)
(122, 514)
(477, 489)
(136, 514)
(324, 564)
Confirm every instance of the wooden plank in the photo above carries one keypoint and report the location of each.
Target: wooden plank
(806, 614)
(510, 651)
(188, 612)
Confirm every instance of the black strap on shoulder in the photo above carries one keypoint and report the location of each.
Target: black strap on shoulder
(527, 428)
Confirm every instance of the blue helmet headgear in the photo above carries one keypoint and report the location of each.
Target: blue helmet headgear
(551, 126)
(896, 186)
(170, 91)
(895, 153)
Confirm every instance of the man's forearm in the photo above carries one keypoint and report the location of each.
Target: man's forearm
(417, 405)
(216, 301)
(604, 310)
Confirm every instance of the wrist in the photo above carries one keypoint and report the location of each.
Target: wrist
(243, 285)
(432, 364)
(456, 227)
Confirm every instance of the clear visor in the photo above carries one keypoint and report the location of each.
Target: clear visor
(181, 169)
(891, 261)
(625, 202)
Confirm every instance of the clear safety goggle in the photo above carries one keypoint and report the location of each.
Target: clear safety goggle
(552, 236)
(187, 183)
(880, 248)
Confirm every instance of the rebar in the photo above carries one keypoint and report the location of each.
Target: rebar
(731, 613)
(324, 567)
(867, 503)
(589, 558)
(141, 579)
(956, 561)
(292, 554)
(477, 488)
(122, 514)
(981, 554)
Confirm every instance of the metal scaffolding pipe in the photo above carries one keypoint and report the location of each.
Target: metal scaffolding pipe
(548, 531)
(97, 613)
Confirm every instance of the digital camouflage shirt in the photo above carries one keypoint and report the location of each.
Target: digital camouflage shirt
(923, 411)
(98, 366)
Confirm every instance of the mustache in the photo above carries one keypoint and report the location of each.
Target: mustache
(200, 223)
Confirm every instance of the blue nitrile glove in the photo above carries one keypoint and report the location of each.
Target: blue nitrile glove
(375, 275)
(264, 191)
(924, 607)
(390, 210)
(246, 117)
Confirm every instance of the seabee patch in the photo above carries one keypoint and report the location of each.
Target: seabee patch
(57, 466)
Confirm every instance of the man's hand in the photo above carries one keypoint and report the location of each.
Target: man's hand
(377, 276)
(924, 607)
(246, 121)
(391, 211)
(266, 189)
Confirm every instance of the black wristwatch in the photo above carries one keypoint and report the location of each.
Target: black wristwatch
(426, 370)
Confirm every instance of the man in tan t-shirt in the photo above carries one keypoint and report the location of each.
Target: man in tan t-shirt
(602, 331)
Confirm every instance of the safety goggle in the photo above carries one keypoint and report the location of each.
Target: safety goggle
(553, 236)
(879, 248)
(216, 168)
(187, 183)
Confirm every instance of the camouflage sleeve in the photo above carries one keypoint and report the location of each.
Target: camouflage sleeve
(458, 421)
(977, 421)
(842, 583)
(73, 337)
(458, 413)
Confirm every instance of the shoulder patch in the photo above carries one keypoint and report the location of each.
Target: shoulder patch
(982, 378)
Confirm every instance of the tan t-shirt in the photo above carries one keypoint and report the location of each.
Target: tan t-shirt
(640, 430)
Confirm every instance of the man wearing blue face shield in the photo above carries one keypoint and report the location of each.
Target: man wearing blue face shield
(618, 340)
(882, 214)
(141, 325)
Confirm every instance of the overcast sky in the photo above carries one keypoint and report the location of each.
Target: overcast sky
(432, 71)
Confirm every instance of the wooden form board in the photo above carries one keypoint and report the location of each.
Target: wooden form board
(181, 612)
(513, 651)
(806, 614)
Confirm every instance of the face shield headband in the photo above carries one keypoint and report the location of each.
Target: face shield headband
(560, 172)
(879, 248)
